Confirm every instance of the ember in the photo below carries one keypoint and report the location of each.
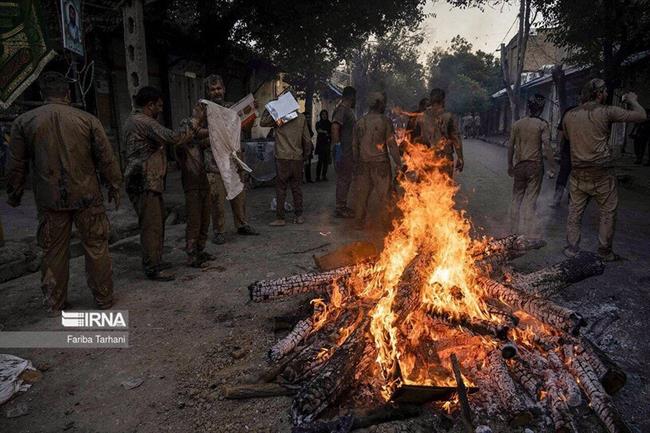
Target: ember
(388, 328)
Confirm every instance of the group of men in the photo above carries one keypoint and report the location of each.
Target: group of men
(586, 162)
(471, 125)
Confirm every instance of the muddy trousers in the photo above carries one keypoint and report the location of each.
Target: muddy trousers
(602, 186)
(289, 176)
(343, 181)
(54, 232)
(528, 176)
(373, 176)
(151, 218)
(197, 205)
(218, 205)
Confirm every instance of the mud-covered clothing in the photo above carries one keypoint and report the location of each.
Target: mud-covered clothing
(528, 137)
(67, 149)
(374, 140)
(292, 139)
(191, 159)
(54, 234)
(146, 159)
(218, 205)
(599, 183)
(150, 208)
(439, 130)
(289, 176)
(344, 116)
(565, 156)
(197, 206)
(528, 176)
(588, 128)
(373, 176)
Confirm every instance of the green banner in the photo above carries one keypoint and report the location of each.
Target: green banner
(23, 52)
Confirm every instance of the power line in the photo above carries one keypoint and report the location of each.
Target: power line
(508, 32)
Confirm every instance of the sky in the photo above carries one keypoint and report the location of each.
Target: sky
(484, 30)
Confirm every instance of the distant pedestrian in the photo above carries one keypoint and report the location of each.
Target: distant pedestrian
(146, 169)
(373, 145)
(565, 163)
(343, 121)
(641, 136)
(439, 130)
(529, 139)
(323, 143)
(292, 147)
(588, 127)
(69, 153)
(308, 177)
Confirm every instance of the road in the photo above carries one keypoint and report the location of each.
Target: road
(183, 334)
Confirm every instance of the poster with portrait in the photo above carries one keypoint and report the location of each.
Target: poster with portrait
(71, 26)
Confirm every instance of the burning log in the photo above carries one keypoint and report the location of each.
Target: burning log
(610, 375)
(318, 282)
(557, 405)
(548, 281)
(466, 411)
(295, 337)
(498, 252)
(361, 419)
(601, 403)
(332, 379)
(548, 312)
(507, 391)
(477, 326)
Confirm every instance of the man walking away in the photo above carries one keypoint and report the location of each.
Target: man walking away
(529, 139)
(66, 148)
(190, 157)
(343, 121)
(292, 147)
(588, 129)
(565, 163)
(146, 169)
(323, 143)
(372, 144)
(439, 130)
(215, 91)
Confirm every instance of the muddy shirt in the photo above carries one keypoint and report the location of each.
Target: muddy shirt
(373, 139)
(67, 149)
(588, 128)
(292, 139)
(439, 130)
(345, 117)
(191, 159)
(527, 137)
(146, 161)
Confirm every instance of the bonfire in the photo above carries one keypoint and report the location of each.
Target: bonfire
(435, 320)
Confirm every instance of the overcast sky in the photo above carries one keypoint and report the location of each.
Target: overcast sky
(484, 30)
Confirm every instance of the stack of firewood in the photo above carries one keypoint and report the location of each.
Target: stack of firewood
(527, 363)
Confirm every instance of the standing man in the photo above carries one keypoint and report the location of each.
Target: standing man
(343, 121)
(439, 130)
(588, 129)
(146, 169)
(190, 157)
(372, 144)
(292, 147)
(67, 149)
(529, 138)
(215, 91)
(565, 163)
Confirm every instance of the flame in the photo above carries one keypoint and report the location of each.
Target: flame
(431, 228)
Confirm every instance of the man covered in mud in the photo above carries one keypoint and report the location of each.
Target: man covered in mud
(343, 121)
(146, 169)
(373, 145)
(292, 147)
(67, 149)
(529, 141)
(191, 158)
(439, 130)
(588, 129)
(215, 91)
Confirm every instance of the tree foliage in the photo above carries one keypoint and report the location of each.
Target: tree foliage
(468, 77)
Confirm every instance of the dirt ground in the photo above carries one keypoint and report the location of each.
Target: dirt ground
(190, 336)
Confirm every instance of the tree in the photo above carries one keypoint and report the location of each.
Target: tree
(469, 77)
(390, 63)
(603, 33)
(305, 39)
(526, 19)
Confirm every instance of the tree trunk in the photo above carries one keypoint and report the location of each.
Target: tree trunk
(560, 85)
